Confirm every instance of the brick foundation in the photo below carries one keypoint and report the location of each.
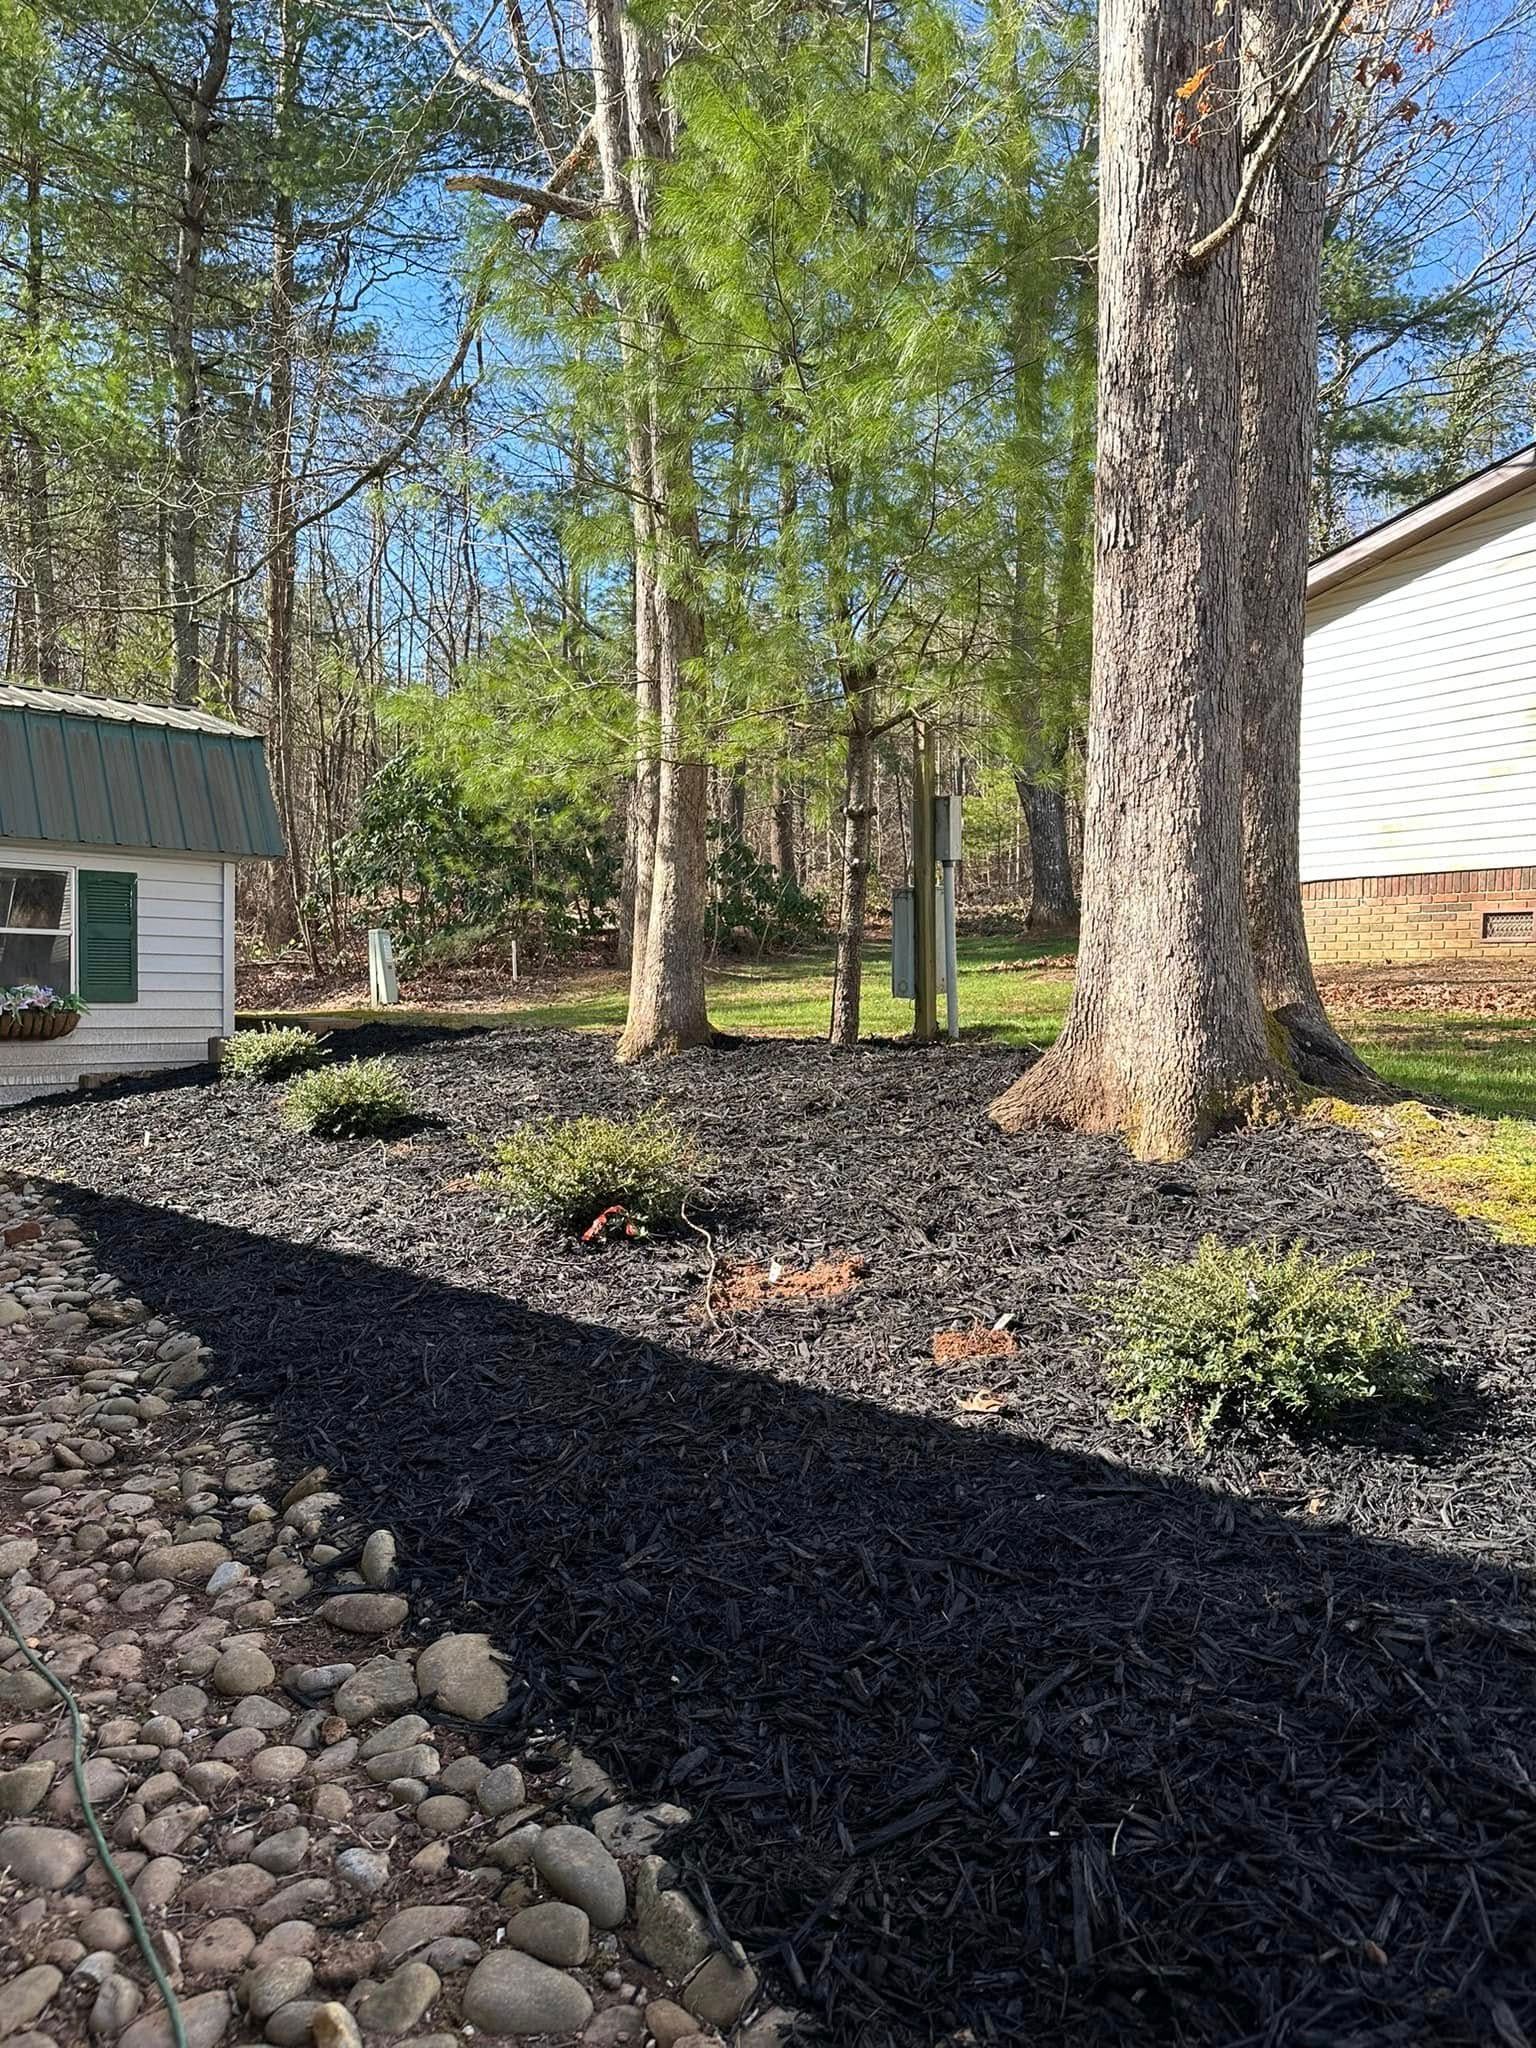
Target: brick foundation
(1377, 919)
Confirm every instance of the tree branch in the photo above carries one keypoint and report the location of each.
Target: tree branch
(534, 200)
(472, 74)
(1267, 137)
(527, 64)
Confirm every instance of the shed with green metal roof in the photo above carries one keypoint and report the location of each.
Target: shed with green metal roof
(121, 825)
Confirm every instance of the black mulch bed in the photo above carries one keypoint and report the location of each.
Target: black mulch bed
(1018, 1724)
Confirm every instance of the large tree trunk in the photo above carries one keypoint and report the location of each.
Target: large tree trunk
(611, 128)
(858, 794)
(1165, 1039)
(1052, 897)
(666, 1000)
(667, 1011)
(1033, 681)
(198, 119)
(1281, 262)
(645, 795)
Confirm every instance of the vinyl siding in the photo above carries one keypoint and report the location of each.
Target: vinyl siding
(186, 995)
(1418, 730)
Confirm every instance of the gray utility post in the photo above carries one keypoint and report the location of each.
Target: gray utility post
(925, 1024)
(946, 836)
(919, 915)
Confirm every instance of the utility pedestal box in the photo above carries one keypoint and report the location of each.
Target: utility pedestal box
(903, 948)
(946, 829)
(383, 986)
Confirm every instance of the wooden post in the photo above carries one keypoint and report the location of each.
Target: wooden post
(924, 935)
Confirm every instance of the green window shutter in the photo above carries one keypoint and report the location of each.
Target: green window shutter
(107, 925)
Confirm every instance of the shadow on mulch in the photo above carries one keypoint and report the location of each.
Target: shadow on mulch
(980, 1734)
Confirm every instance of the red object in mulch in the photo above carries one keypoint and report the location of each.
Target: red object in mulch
(614, 1222)
(22, 1233)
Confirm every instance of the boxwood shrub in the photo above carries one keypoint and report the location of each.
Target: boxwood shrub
(1253, 1335)
(357, 1100)
(273, 1053)
(570, 1170)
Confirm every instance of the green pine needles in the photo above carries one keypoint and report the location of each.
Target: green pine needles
(1253, 1336)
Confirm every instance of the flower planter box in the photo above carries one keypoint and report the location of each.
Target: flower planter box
(40, 1024)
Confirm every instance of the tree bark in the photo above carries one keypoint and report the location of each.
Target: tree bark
(1052, 897)
(667, 1011)
(46, 649)
(1165, 1038)
(198, 118)
(667, 1008)
(783, 831)
(109, 594)
(282, 541)
(1281, 256)
(645, 795)
(858, 792)
(21, 630)
(736, 802)
(224, 667)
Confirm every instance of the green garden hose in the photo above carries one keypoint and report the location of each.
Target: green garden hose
(108, 1862)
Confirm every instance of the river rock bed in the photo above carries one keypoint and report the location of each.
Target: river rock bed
(321, 1845)
(998, 1721)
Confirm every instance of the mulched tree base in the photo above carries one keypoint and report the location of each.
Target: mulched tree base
(1017, 1723)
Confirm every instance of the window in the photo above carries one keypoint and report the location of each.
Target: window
(36, 928)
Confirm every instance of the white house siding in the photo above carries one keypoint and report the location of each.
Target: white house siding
(1418, 741)
(186, 975)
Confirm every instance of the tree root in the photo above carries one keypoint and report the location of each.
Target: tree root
(1321, 1059)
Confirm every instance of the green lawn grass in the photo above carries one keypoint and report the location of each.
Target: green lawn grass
(790, 998)
(1486, 1065)
(1483, 1064)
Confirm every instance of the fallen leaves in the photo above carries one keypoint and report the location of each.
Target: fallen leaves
(985, 1401)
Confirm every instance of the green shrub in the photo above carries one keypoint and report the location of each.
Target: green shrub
(750, 906)
(436, 860)
(357, 1100)
(571, 1171)
(1255, 1334)
(272, 1054)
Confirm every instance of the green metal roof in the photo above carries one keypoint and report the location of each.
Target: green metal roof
(91, 771)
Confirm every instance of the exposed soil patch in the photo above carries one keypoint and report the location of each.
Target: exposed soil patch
(955, 1347)
(1005, 1720)
(744, 1288)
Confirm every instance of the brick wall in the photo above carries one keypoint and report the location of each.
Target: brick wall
(1381, 918)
